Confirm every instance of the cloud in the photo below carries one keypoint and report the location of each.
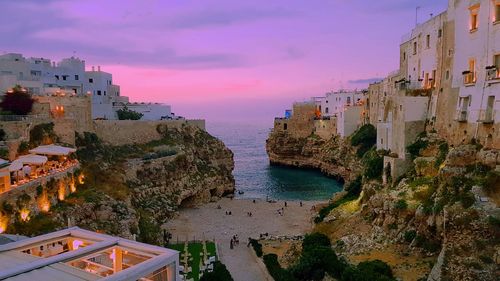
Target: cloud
(224, 17)
(365, 81)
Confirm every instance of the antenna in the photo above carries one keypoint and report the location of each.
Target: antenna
(416, 15)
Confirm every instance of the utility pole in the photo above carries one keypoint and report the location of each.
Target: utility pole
(416, 15)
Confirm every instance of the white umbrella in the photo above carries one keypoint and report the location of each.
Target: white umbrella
(32, 159)
(52, 150)
(3, 162)
(16, 165)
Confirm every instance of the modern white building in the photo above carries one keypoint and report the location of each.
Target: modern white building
(40, 76)
(476, 62)
(75, 254)
(336, 102)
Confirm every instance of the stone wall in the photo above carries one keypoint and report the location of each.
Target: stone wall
(122, 132)
(326, 128)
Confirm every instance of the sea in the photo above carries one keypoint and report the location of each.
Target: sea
(256, 179)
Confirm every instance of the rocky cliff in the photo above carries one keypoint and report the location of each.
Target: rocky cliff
(334, 157)
(133, 189)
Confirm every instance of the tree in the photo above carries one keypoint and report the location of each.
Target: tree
(17, 102)
(126, 114)
(220, 273)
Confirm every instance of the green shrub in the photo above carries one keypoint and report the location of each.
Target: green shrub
(37, 225)
(428, 244)
(354, 187)
(410, 235)
(127, 114)
(373, 164)
(443, 151)
(275, 269)
(220, 273)
(4, 153)
(326, 210)
(415, 148)
(257, 247)
(365, 137)
(42, 133)
(149, 229)
(467, 199)
(23, 147)
(314, 240)
(401, 204)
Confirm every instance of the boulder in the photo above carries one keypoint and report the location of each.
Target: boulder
(462, 156)
(425, 166)
(488, 157)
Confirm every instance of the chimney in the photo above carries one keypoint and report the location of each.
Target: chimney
(93, 68)
(99, 68)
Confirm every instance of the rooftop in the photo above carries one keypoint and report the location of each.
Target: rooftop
(81, 255)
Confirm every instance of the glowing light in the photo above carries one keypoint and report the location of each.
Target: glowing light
(61, 192)
(72, 186)
(77, 244)
(43, 202)
(81, 179)
(3, 223)
(25, 215)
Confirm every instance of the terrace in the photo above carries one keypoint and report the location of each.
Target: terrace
(44, 163)
(80, 255)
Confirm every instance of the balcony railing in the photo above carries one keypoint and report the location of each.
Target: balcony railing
(461, 115)
(469, 77)
(486, 116)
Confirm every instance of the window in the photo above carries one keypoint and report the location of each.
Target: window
(404, 56)
(415, 48)
(64, 77)
(470, 75)
(348, 100)
(98, 92)
(104, 92)
(77, 78)
(428, 41)
(440, 33)
(474, 17)
(496, 61)
(433, 82)
(497, 12)
(57, 77)
(326, 110)
(91, 80)
(447, 74)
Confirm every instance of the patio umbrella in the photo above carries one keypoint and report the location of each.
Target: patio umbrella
(16, 165)
(52, 149)
(32, 159)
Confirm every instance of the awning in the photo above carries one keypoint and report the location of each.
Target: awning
(16, 165)
(32, 159)
(52, 150)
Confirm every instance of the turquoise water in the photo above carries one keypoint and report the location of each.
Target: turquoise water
(257, 178)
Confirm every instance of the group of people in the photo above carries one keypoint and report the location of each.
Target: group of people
(234, 241)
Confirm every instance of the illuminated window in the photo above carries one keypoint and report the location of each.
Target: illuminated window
(474, 17)
(470, 75)
(496, 61)
(497, 12)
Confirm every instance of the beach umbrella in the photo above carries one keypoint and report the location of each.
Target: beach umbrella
(16, 165)
(32, 159)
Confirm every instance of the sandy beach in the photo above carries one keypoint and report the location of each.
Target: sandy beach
(211, 223)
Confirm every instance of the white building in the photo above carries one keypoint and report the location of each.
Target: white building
(476, 62)
(67, 77)
(75, 254)
(336, 102)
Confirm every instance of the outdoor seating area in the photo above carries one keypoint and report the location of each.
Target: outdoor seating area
(195, 259)
(43, 161)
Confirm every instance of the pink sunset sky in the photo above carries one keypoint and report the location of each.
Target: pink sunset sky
(220, 60)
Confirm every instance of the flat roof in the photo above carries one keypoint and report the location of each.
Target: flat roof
(18, 261)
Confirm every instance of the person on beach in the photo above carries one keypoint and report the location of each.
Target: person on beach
(231, 244)
(300, 203)
(254, 201)
(285, 204)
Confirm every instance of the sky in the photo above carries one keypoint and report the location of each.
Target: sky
(222, 60)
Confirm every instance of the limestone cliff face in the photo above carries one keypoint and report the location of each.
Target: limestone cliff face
(199, 172)
(334, 157)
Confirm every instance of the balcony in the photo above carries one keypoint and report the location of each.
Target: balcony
(469, 78)
(486, 116)
(461, 115)
(492, 73)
